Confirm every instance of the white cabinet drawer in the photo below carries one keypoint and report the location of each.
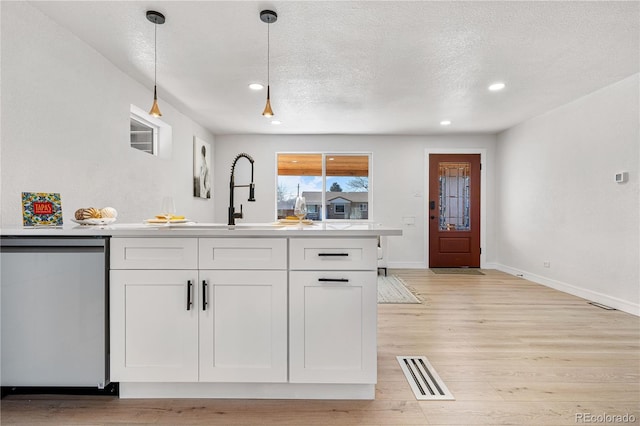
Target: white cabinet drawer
(243, 253)
(154, 253)
(333, 253)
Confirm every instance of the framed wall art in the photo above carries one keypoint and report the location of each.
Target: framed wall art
(202, 168)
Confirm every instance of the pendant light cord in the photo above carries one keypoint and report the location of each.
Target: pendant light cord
(268, 17)
(156, 18)
(155, 54)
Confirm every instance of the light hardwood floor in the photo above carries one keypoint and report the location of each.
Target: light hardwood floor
(510, 351)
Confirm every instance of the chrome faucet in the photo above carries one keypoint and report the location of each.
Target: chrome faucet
(232, 211)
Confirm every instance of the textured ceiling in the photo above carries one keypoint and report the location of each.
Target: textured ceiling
(364, 67)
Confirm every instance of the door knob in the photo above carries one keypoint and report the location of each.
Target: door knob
(432, 217)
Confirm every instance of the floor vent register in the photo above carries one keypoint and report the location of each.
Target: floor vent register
(423, 379)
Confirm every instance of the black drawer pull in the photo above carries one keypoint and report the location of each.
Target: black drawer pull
(189, 303)
(333, 280)
(204, 295)
(334, 254)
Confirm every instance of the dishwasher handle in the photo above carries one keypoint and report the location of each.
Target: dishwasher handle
(54, 242)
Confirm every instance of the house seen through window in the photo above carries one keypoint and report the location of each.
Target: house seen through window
(335, 186)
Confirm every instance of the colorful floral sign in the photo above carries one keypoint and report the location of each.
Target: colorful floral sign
(41, 209)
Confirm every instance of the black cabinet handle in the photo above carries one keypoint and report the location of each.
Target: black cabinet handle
(333, 280)
(333, 254)
(189, 303)
(204, 295)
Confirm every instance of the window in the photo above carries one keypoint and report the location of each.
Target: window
(336, 186)
(455, 196)
(144, 136)
(149, 134)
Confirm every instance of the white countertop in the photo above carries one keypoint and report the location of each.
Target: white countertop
(193, 229)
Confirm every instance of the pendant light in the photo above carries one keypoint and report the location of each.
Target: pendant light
(268, 17)
(156, 18)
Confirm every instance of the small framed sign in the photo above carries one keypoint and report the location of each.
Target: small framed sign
(41, 209)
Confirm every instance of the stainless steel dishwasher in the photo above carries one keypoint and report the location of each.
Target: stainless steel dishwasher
(54, 312)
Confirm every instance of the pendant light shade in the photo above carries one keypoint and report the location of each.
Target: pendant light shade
(156, 18)
(268, 112)
(155, 109)
(268, 17)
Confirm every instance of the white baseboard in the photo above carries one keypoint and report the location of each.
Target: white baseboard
(247, 390)
(423, 265)
(592, 296)
(407, 265)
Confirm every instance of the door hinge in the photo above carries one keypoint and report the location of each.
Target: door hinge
(480, 166)
(480, 250)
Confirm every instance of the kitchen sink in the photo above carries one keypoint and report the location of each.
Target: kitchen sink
(221, 226)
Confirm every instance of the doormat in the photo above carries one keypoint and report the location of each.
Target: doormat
(453, 271)
(391, 289)
(423, 379)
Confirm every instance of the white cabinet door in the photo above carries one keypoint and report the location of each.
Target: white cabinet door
(154, 331)
(332, 327)
(243, 326)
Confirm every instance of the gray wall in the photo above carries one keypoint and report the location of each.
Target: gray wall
(65, 128)
(558, 202)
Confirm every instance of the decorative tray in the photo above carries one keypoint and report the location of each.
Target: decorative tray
(101, 221)
(294, 222)
(156, 221)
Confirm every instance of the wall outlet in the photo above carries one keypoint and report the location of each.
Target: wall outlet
(547, 264)
(409, 220)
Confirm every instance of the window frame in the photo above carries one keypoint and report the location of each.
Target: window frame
(162, 132)
(323, 208)
(154, 134)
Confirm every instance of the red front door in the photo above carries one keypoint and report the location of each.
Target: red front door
(454, 210)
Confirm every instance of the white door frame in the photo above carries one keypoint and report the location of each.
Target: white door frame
(483, 197)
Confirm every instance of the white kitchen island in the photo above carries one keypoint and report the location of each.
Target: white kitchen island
(258, 311)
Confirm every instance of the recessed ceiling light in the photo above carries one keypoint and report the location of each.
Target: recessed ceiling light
(276, 122)
(497, 86)
(330, 158)
(256, 86)
(445, 123)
